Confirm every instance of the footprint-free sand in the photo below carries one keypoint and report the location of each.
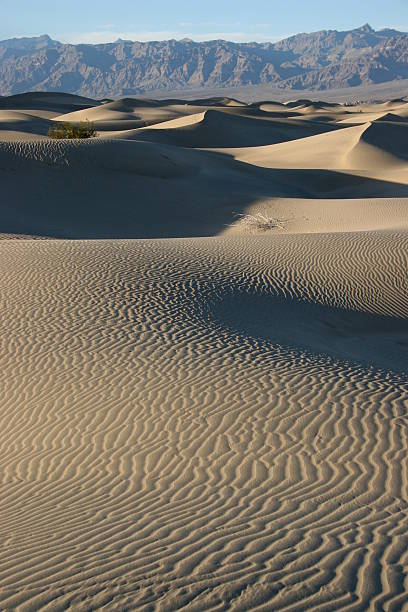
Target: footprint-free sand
(197, 412)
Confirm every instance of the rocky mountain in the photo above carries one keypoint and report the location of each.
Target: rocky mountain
(321, 60)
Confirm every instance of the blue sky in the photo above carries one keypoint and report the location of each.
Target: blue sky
(241, 20)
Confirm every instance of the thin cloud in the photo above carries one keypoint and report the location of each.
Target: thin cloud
(106, 36)
(232, 36)
(400, 28)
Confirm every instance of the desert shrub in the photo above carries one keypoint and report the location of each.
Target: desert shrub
(84, 129)
(260, 222)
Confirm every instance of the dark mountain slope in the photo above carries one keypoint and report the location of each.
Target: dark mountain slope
(322, 60)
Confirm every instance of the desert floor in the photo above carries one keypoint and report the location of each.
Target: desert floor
(204, 356)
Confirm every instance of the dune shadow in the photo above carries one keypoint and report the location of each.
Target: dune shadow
(389, 136)
(368, 339)
(122, 189)
(325, 184)
(47, 101)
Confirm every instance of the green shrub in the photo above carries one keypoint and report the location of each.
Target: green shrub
(85, 129)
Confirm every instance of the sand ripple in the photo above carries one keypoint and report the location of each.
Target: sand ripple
(159, 450)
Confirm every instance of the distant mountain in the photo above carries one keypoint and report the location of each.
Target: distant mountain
(322, 60)
(29, 44)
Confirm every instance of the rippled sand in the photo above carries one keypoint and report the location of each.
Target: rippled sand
(215, 423)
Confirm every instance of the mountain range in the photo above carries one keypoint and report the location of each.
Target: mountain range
(322, 60)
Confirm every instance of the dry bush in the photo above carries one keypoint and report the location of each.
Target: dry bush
(259, 221)
(84, 129)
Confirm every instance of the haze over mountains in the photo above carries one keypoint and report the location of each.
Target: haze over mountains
(323, 60)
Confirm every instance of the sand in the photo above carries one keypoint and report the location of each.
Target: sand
(198, 413)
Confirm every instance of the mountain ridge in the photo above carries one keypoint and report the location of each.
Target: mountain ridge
(322, 60)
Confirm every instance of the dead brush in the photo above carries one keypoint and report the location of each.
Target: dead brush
(259, 221)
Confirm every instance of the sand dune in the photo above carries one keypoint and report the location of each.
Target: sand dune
(372, 149)
(391, 138)
(55, 102)
(328, 215)
(134, 133)
(218, 101)
(15, 125)
(29, 116)
(326, 150)
(219, 130)
(166, 191)
(131, 114)
(198, 412)
(392, 117)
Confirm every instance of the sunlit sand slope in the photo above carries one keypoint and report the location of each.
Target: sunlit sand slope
(218, 424)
